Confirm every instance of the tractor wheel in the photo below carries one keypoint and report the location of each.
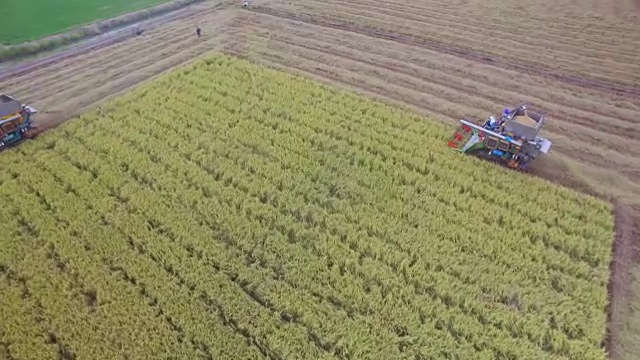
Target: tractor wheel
(31, 132)
(524, 163)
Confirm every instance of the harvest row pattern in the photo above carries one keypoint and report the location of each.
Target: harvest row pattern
(242, 213)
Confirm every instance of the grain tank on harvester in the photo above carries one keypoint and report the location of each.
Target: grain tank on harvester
(511, 139)
(15, 121)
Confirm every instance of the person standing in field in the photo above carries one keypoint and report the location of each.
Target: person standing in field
(198, 31)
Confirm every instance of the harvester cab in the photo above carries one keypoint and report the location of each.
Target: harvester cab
(15, 121)
(510, 138)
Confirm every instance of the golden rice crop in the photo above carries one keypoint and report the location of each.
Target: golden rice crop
(230, 211)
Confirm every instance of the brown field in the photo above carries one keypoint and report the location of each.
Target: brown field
(580, 61)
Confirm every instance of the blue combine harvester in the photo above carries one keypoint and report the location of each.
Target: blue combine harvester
(15, 121)
(511, 139)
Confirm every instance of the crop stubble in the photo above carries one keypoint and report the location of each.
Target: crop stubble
(65, 88)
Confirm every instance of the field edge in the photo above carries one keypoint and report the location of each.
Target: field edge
(624, 265)
(33, 48)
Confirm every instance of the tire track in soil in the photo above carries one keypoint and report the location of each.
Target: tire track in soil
(595, 159)
(450, 67)
(619, 90)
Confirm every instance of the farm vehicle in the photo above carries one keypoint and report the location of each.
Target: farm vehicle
(15, 121)
(511, 139)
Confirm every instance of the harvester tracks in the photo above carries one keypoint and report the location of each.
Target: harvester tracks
(607, 87)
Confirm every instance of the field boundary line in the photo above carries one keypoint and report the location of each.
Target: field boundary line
(606, 87)
(88, 31)
(100, 42)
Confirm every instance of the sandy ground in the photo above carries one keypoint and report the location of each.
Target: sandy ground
(448, 60)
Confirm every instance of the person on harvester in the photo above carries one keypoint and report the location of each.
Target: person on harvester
(492, 124)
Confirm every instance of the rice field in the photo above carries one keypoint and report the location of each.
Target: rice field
(228, 210)
(440, 60)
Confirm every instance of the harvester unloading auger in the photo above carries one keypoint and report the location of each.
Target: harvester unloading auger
(512, 139)
(15, 121)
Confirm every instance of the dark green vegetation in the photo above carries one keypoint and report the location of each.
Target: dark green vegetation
(34, 19)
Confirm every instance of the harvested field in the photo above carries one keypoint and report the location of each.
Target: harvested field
(438, 65)
(441, 58)
(622, 340)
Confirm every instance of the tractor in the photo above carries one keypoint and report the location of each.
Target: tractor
(511, 139)
(15, 121)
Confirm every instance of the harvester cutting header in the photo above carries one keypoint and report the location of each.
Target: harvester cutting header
(511, 139)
